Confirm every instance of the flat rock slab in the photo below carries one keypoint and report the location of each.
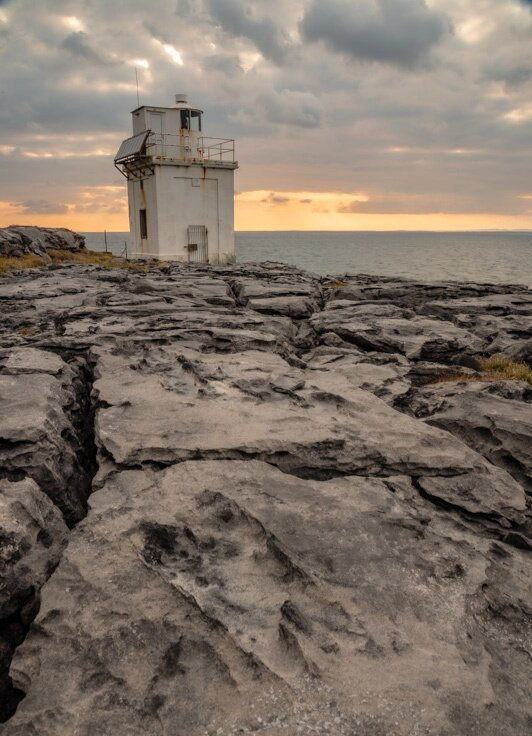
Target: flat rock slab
(417, 338)
(328, 428)
(296, 601)
(499, 427)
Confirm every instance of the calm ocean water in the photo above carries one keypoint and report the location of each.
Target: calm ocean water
(500, 257)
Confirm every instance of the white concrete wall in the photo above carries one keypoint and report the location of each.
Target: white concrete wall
(171, 119)
(226, 214)
(138, 198)
(179, 196)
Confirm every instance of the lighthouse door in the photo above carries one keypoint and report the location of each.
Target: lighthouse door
(198, 249)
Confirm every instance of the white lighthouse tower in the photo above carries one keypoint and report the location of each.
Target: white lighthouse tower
(180, 186)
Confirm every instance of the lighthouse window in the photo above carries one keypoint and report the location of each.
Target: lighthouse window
(195, 120)
(143, 224)
(191, 120)
(185, 120)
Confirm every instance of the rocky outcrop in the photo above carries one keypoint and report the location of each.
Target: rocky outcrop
(20, 240)
(292, 529)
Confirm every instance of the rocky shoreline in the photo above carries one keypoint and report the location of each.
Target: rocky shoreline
(247, 499)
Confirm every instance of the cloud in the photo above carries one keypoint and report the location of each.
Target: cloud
(513, 72)
(40, 207)
(78, 45)
(273, 198)
(304, 116)
(227, 64)
(239, 21)
(398, 32)
(292, 107)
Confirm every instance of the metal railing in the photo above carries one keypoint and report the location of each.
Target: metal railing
(167, 146)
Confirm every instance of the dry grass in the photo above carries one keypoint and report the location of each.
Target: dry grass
(497, 368)
(504, 369)
(26, 331)
(86, 257)
(8, 263)
(95, 258)
(336, 284)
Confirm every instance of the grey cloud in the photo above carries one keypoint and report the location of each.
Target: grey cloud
(183, 8)
(226, 64)
(513, 74)
(398, 32)
(292, 107)
(41, 207)
(238, 21)
(156, 33)
(275, 199)
(78, 45)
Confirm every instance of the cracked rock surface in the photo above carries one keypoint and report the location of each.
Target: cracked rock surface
(247, 505)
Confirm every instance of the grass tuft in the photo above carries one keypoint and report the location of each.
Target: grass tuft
(505, 369)
(497, 368)
(336, 284)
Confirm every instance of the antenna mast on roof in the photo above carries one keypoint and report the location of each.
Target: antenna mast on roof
(137, 81)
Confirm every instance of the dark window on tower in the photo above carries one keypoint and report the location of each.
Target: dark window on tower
(185, 120)
(143, 224)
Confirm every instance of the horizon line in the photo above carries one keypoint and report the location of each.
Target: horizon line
(474, 230)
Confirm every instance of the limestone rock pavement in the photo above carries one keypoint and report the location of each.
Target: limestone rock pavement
(294, 528)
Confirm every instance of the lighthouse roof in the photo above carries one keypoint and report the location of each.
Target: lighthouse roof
(185, 106)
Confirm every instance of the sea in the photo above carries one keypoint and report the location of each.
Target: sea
(494, 256)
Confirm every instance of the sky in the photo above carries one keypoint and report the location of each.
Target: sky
(347, 114)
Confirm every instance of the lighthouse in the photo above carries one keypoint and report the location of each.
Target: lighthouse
(180, 186)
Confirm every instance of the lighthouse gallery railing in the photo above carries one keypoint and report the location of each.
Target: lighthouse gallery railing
(185, 148)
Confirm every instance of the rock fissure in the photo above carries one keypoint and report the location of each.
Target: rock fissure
(34, 490)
